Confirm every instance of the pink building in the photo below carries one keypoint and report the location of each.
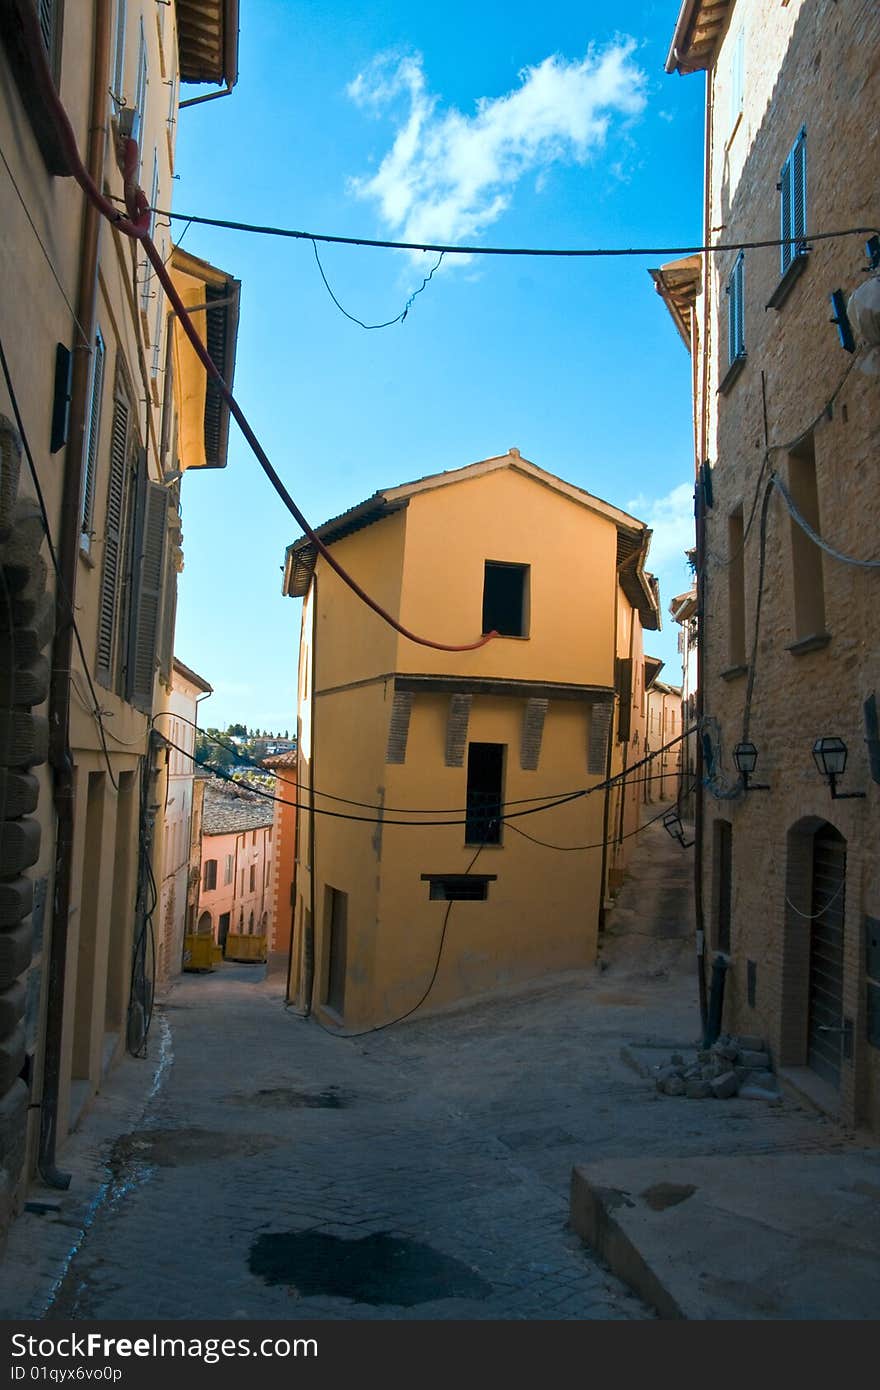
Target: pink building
(235, 889)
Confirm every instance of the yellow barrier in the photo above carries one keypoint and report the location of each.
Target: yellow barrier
(245, 948)
(198, 952)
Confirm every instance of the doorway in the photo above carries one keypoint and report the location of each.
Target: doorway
(827, 910)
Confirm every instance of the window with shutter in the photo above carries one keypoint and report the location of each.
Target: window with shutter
(49, 15)
(111, 570)
(169, 612)
(92, 433)
(736, 333)
(148, 565)
(119, 53)
(793, 202)
(623, 684)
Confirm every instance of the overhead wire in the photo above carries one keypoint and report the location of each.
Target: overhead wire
(399, 318)
(375, 806)
(560, 800)
(450, 249)
(599, 844)
(136, 225)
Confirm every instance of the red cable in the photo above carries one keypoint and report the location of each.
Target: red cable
(137, 226)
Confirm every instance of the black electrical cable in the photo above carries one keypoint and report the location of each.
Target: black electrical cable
(616, 839)
(399, 318)
(380, 1027)
(561, 800)
(450, 250)
(407, 810)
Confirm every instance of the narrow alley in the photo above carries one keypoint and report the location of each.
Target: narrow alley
(275, 1171)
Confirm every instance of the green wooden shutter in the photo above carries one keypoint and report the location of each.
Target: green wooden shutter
(146, 607)
(108, 602)
(169, 614)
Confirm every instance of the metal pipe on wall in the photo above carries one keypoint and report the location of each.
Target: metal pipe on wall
(60, 757)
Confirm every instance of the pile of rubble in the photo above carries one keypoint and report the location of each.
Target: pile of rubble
(730, 1067)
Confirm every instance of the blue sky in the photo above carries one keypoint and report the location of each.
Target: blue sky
(497, 124)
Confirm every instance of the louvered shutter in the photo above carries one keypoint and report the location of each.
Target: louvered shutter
(147, 572)
(88, 500)
(736, 342)
(785, 230)
(738, 307)
(110, 572)
(798, 160)
(169, 614)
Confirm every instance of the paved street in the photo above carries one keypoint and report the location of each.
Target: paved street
(275, 1171)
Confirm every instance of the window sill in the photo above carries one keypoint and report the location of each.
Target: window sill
(509, 636)
(814, 643)
(786, 284)
(732, 373)
(733, 673)
(477, 844)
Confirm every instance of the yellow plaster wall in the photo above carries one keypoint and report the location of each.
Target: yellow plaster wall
(452, 531)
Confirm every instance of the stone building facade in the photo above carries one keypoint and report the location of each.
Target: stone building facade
(786, 424)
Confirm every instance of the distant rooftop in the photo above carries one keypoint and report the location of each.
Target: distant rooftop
(226, 813)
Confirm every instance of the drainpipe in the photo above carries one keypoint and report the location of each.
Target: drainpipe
(701, 457)
(60, 758)
(606, 809)
(309, 936)
(632, 637)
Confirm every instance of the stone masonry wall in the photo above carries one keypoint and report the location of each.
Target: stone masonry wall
(813, 65)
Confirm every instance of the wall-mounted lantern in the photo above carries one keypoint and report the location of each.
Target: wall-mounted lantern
(673, 826)
(745, 757)
(829, 755)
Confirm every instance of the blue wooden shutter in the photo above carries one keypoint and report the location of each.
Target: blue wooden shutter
(786, 250)
(146, 607)
(799, 192)
(736, 343)
(793, 201)
(108, 601)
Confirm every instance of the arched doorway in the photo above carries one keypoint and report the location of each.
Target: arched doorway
(204, 927)
(813, 955)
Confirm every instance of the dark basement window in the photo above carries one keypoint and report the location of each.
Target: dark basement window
(458, 887)
(505, 599)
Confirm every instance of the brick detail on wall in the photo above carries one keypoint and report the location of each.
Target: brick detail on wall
(597, 745)
(457, 729)
(398, 729)
(534, 714)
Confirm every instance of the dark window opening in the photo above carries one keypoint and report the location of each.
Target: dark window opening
(723, 874)
(504, 599)
(210, 874)
(458, 887)
(485, 774)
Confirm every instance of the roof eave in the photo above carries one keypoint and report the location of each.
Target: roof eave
(698, 28)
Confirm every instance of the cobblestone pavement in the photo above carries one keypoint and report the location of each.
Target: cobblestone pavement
(275, 1171)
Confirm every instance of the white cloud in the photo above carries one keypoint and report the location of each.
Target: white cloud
(671, 518)
(448, 176)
